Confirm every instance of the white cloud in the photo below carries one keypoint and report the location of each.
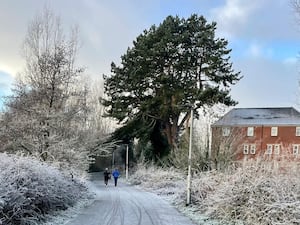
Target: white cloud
(6, 82)
(254, 50)
(234, 15)
(11, 66)
(266, 20)
(10, 59)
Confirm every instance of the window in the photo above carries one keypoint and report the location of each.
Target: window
(250, 131)
(295, 149)
(246, 149)
(297, 131)
(273, 147)
(274, 131)
(269, 149)
(252, 149)
(276, 149)
(225, 131)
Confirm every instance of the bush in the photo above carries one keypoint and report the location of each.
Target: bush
(255, 192)
(30, 189)
(163, 181)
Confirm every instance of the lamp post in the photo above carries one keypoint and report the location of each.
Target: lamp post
(113, 160)
(188, 199)
(126, 164)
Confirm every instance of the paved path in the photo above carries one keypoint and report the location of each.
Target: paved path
(126, 205)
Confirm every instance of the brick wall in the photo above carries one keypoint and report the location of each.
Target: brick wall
(261, 139)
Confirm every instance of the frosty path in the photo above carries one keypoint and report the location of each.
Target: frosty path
(126, 205)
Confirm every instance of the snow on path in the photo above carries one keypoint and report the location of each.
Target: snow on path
(126, 205)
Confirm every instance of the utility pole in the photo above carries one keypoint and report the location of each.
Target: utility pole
(188, 199)
(126, 165)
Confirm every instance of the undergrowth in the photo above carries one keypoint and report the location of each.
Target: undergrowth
(253, 192)
(30, 189)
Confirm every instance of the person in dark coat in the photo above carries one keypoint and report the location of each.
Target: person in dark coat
(106, 176)
(116, 175)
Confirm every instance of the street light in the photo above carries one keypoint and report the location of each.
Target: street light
(126, 164)
(188, 199)
(113, 160)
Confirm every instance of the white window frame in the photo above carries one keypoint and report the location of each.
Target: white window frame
(295, 149)
(225, 131)
(246, 149)
(297, 131)
(250, 131)
(277, 149)
(252, 149)
(274, 131)
(269, 149)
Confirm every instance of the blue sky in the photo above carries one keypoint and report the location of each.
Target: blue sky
(264, 37)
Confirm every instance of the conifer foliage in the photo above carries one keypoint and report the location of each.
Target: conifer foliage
(170, 69)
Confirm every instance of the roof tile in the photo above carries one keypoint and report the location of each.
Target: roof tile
(260, 116)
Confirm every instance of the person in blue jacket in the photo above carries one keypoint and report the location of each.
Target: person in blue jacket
(116, 175)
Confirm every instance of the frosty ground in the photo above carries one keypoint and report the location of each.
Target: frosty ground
(33, 192)
(253, 193)
(123, 204)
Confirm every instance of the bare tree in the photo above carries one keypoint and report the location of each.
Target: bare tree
(47, 114)
(202, 156)
(296, 6)
(97, 120)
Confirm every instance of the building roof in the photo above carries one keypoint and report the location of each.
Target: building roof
(260, 116)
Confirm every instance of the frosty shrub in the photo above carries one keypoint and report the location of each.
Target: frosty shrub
(30, 189)
(164, 181)
(70, 157)
(255, 193)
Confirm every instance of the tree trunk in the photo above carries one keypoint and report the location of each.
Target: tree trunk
(171, 132)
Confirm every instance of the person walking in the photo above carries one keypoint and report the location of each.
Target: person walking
(106, 175)
(116, 175)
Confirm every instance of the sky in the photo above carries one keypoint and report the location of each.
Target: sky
(263, 35)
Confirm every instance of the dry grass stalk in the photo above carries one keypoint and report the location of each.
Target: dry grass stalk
(254, 192)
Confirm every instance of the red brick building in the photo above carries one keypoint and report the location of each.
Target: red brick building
(252, 132)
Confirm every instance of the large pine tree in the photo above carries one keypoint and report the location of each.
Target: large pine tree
(170, 68)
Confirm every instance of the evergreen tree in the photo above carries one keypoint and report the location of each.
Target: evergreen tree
(170, 69)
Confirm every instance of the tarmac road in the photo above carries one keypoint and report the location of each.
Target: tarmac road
(126, 205)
